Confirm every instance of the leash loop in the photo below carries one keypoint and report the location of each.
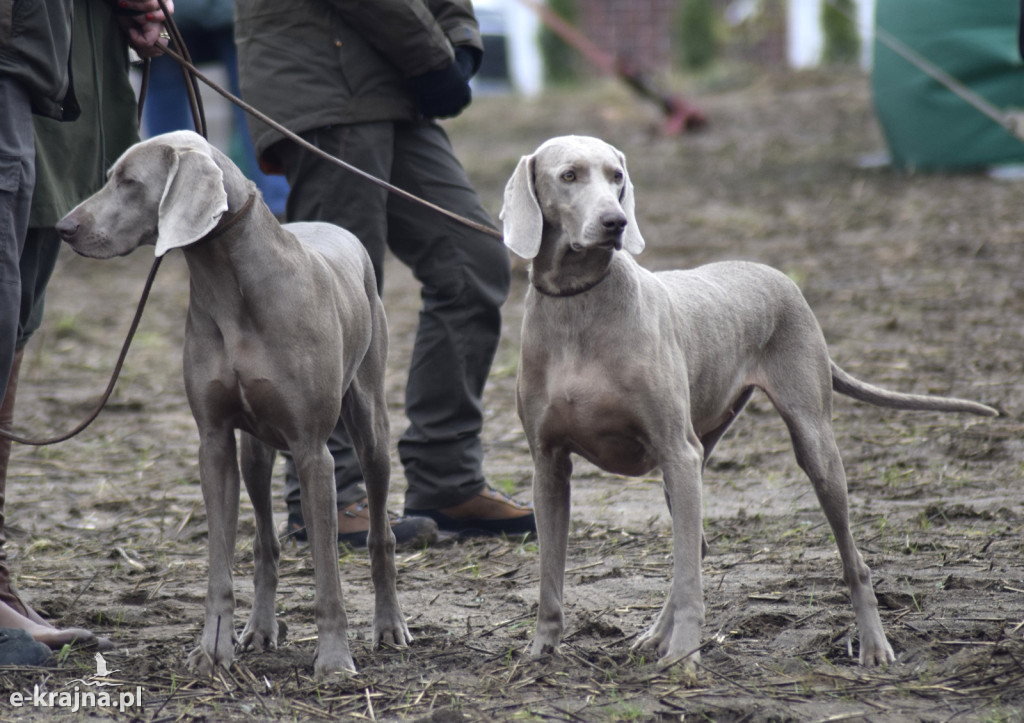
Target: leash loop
(113, 378)
(200, 122)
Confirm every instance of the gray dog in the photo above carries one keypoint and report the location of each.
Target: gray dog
(634, 370)
(285, 331)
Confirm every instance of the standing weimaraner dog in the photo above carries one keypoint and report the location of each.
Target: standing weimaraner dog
(285, 331)
(634, 370)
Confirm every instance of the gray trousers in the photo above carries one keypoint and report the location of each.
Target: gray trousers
(464, 277)
(17, 178)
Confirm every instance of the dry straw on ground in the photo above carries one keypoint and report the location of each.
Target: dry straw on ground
(916, 280)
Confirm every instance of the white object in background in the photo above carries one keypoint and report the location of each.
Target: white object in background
(806, 40)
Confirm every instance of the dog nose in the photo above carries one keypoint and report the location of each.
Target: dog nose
(613, 222)
(67, 228)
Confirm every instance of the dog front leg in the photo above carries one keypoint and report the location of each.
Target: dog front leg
(551, 490)
(675, 635)
(218, 476)
(319, 509)
(257, 467)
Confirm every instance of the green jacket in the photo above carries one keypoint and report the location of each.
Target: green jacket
(315, 63)
(35, 42)
(72, 159)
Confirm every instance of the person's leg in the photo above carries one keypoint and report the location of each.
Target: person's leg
(8, 596)
(465, 277)
(322, 191)
(17, 177)
(37, 261)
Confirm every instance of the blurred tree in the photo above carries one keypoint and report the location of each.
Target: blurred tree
(838, 24)
(561, 61)
(698, 40)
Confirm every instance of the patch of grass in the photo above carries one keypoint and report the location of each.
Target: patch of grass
(896, 476)
(913, 597)
(65, 326)
(505, 485)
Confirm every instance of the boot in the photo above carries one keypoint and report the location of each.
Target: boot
(7, 594)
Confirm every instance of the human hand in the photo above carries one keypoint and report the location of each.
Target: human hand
(146, 10)
(143, 23)
(147, 39)
(445, 93)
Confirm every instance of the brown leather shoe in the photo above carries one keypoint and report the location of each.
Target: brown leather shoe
(354, 527)
(489, 513)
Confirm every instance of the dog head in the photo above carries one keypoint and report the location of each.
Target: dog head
(575, 186)
(167, 191)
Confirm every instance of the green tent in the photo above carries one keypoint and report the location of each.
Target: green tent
(926, 124)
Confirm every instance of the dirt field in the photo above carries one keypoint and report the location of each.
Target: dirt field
(916, 281)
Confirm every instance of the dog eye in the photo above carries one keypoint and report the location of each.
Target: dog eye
(569, 176)
(124, 180)
(618, 176)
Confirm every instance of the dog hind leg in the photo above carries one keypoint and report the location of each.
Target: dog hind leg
(810, 427)
(364, 413)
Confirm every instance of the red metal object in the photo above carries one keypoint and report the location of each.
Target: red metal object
(680, 114)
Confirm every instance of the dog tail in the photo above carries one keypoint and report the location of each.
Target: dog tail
(846, 384)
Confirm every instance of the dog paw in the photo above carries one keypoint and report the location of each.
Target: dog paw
(205, 663)
(540, 648)
(685, 662)
(674, 645)
(216, 647)
(651, 640)
(392, 632)
(259, 636)
(329, 662)
(876, 651)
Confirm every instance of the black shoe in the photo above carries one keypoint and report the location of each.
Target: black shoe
(354, 527)
(488, 514)
(17, 647)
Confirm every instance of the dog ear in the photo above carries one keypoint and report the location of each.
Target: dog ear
(632, 241)
(193, 201)
(521, 213)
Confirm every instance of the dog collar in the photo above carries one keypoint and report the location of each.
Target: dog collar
(570, 292)
(223, 228)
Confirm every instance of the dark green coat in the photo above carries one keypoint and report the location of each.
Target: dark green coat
(72, 159)
(316, 63)
(35, 38)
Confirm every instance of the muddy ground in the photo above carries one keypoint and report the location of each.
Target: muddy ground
(916, 280)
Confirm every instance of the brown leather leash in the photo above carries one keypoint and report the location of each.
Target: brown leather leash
(191, 75)
(113, 377)
(198, 114)
(185, 63)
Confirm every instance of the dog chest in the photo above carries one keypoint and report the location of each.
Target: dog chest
(583, 410)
